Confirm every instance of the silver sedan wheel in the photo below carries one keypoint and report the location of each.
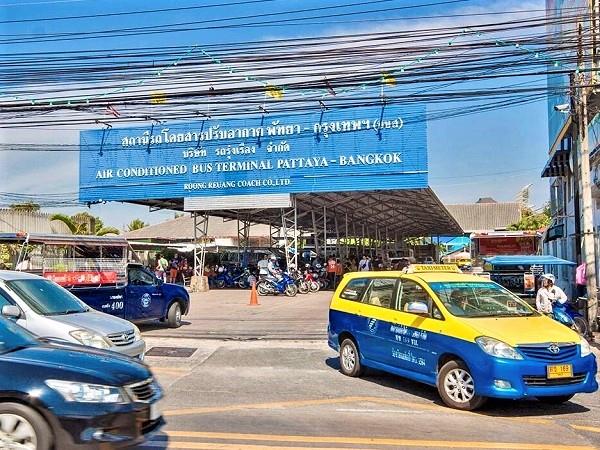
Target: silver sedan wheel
(348, 358)
(16, 433)
(459, 385)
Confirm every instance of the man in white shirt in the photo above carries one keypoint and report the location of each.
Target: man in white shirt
(548, 294)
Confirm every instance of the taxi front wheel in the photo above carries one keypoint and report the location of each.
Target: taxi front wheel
(350, 359)
(457, 387)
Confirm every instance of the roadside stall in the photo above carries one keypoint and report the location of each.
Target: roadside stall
(520, 273)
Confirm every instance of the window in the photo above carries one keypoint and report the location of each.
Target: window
(139, 277)
(4, 300)
(381, 292)
(355, 289)
(409, 292)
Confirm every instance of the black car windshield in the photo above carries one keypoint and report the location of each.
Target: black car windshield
(480, 299)
(47, 298)
(13, 336)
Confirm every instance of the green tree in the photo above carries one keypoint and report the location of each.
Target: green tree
(136, 224)
(81, 223)
(28, 206)
(532, 221)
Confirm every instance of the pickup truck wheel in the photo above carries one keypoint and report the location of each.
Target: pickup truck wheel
(174, 315)
(23, 428)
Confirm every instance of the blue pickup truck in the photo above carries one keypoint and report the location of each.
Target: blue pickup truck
(143, 298)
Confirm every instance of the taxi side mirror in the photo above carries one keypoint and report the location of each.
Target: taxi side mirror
(11, 311)
(419, 308)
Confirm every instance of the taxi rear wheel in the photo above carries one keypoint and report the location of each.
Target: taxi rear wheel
(350, 359)
(457, 388)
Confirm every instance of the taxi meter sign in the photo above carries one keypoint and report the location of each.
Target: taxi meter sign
(422, 268)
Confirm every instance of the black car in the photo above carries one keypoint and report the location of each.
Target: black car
(61, 396)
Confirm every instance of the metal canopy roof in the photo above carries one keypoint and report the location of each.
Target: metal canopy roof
(402, 213)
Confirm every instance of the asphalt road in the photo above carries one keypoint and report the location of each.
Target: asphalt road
(263, 390)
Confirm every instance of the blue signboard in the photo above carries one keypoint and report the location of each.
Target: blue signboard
(357, 149)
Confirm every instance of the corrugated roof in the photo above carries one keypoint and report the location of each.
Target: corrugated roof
(474, 217)
(182, 229)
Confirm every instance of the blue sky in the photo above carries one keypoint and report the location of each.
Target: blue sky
(488, 154)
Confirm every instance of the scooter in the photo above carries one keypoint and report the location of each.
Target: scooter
(568, 315)
(284, 285)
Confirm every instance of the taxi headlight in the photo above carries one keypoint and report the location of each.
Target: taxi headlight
(90, 339)
(73, 391)
(136, 333)
(497, 348)
(585, 347)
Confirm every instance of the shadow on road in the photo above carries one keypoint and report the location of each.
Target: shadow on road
(493, 408)
(153, 326)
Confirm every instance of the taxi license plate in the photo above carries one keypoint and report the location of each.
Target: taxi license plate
(559, 371)
(155, 412)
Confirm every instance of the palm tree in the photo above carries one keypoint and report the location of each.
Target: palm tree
(136, 224)
(80, 227)
(28, 206)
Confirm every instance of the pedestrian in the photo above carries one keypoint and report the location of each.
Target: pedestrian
(548, 294)
(161, 267)
(174, 269)
(331, 270)
(364, 265)
(263, 266)
(339, 271)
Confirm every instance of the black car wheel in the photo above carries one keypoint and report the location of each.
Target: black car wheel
(174, 315)
(23, 428)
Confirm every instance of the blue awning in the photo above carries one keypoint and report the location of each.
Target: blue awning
(528, 260)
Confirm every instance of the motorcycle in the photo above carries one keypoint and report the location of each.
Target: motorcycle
(313, 284)
(284, 285)
(303, 287)
(568, 315)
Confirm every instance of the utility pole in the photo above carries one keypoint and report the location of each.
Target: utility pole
(587, 219)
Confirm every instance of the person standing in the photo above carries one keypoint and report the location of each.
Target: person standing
(174, 269)
(161, 267)
(331, 270)
(364, 265)
(339, 272)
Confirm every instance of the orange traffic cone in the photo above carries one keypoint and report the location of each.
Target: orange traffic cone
(253, 295)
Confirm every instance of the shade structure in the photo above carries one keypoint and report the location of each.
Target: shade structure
(400, 212)
(528, 260)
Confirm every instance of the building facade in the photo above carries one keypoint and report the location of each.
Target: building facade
(563, 238)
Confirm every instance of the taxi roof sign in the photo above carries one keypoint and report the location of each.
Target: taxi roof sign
(428, 268)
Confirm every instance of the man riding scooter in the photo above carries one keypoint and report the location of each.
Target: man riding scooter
(552, 300)
(273, 269)
(548, 294)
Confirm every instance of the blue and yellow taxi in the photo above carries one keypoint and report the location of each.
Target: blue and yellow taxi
(466, 335)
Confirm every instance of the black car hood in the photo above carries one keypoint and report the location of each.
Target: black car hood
(78, 363)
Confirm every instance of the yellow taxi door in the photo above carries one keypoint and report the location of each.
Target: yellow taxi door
(413, 339)
(374, 321)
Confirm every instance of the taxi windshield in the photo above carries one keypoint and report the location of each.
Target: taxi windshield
(480, 299)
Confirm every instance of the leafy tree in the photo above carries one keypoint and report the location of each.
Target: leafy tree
(532, 221)
(136, 224)
(80, 224)
(28, 206)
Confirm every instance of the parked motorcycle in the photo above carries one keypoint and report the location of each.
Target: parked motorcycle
(303, 287)
(313, 284)
(567, 314)
(284, 285)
